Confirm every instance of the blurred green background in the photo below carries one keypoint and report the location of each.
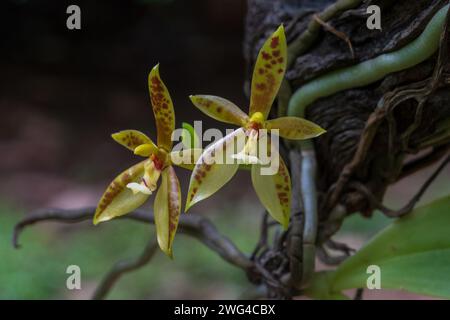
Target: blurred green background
(38, 269)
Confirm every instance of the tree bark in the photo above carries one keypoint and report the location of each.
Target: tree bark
(370, 129)
(344, 114)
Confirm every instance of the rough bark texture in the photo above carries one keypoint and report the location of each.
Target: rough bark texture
(344, 114)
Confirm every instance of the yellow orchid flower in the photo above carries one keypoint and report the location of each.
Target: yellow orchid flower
(131, 188)
(274, 191)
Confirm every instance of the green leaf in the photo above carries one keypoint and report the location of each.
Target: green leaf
(413, 254)
(189, 137)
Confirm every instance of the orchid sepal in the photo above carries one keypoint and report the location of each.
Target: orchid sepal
(167, 209)
(213, 169)
(131, 139)
(119, 200)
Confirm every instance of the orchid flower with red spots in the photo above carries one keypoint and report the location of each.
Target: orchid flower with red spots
(132, 187)
(274, 191)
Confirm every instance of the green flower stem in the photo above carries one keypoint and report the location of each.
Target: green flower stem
(309, 197)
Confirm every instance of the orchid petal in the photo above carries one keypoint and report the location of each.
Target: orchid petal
(151, 176)
(118, 199)
(162, 109)
(214, 168)
(249, 155)
(146, 149)
(268, 73)
(295, 128)
(167, 208)
(138, 187)
(131, 139)
(274, 191)
(220, 109)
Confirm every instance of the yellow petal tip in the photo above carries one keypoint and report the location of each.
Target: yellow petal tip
(193, 98)
(96, 221)
(115, 135)
(321, 132)
(190, 203)
(167, 252)
(187, 206)
(279, 31)
(156, 68)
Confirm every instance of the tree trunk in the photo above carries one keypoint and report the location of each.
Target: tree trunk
(407, 126)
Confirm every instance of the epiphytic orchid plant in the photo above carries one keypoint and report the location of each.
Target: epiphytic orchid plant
(274, 191)
(132, 187)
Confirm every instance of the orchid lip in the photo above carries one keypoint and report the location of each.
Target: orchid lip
(137, 187)
(249, 154)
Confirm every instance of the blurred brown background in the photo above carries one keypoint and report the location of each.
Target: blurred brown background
(64, 91)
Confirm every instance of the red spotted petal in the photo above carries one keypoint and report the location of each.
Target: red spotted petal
(208, 175)
(269, 71)
(167, 208)
(220, 109)
(162, 108)
(274, 191)
(118, 199)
